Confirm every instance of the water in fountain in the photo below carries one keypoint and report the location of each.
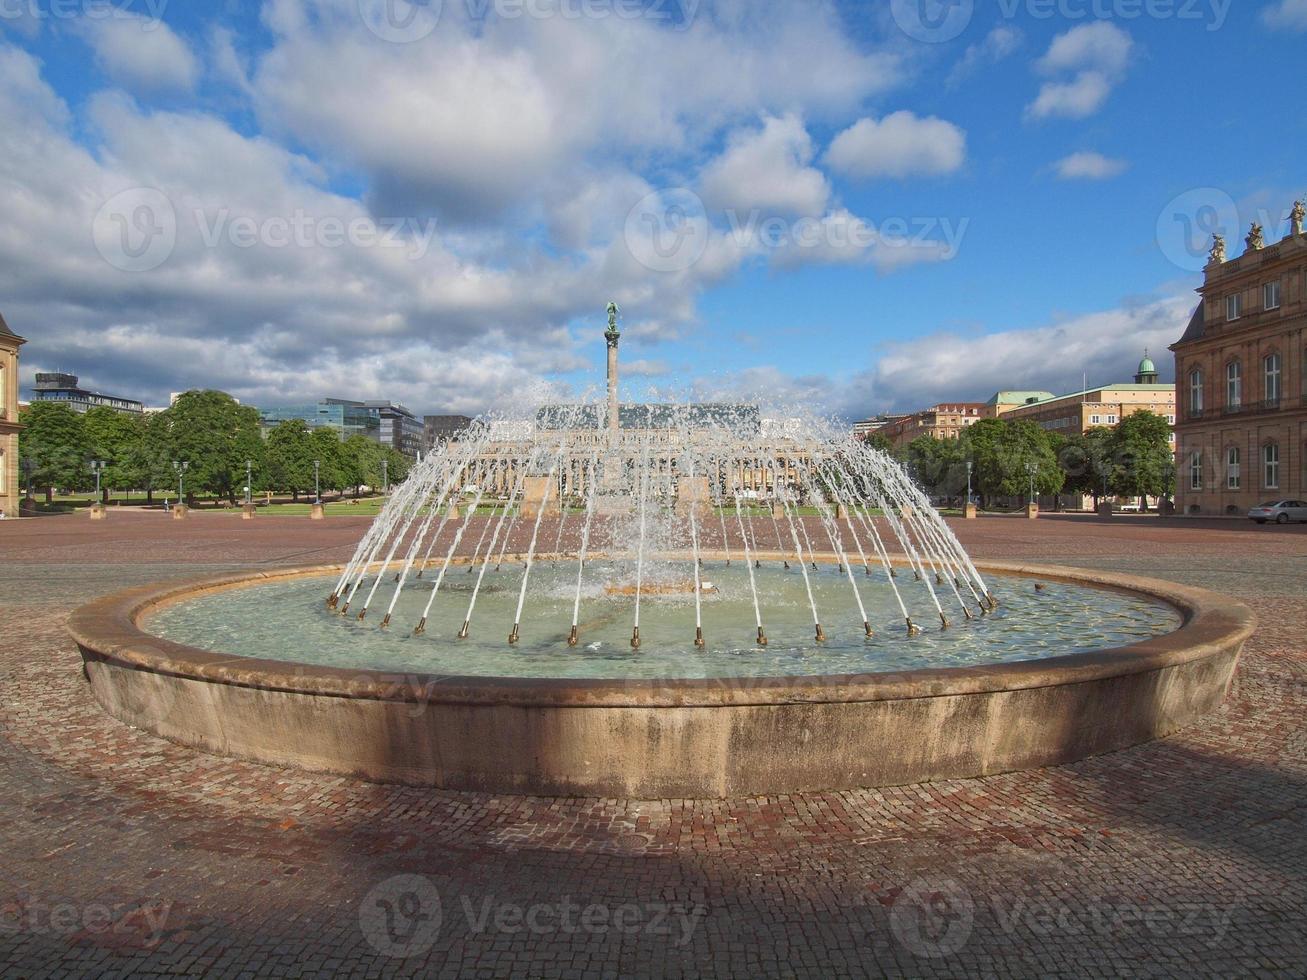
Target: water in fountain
(643, 500)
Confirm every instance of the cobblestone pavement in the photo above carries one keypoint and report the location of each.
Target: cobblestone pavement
(124, 854)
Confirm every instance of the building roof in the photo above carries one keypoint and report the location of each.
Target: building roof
(5, 331)
(1103, 389)
(1196, 328)
(1019, 397)
(1146, 366)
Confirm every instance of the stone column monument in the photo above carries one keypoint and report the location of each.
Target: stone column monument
(613, 335)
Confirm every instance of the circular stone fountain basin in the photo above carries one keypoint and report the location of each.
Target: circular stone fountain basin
(254, 666)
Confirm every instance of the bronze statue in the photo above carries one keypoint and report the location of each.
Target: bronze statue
(1217, 254)
(1256, 240)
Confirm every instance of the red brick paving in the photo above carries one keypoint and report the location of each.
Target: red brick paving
(126, 854)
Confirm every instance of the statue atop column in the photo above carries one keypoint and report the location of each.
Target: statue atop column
(1256, 240)
(1296, 216)
(1217, 255)
(613, 335)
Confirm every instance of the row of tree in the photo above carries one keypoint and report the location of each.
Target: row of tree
(1133, 459)
(209, 431)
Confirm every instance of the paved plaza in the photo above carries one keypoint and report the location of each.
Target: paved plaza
(125, 854)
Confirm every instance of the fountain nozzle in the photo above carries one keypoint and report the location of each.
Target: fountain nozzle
(514, 636)
(698, 637)
(462, 634)
(363, 613)
(867, 626)
(331, 602)
(944, 620)
(757, 563)
(422, 627)
(635, 638)
(344, 609)
(913, 628)
(821, 635)
(762, 637)
(385, 623)
(573, 639)
(939, 579)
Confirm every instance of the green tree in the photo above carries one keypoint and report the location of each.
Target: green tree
(938, 465)
(360, 457)
(55, 440)
(114, 438)
(150, 462)
(216, 435)
(326, 448)
(1004, 452)
(1144, 462)
(289, 457)
(878, 441)
(1086, 461)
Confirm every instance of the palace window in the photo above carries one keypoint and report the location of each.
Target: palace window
(1271, 368)
(1233, 384)
(1095, 420)
(1271, 464)
(1195, 392)
(1195, 470)
(1234, 306)
(1111, 420)
(1232, 469)
(1271, 295)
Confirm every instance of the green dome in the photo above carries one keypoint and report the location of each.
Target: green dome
(1146, 366)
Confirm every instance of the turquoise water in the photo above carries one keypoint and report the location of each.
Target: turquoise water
(289, 621)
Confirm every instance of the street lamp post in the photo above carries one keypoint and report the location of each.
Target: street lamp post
(385, 477)
(181, 468)
(249, 481)
(317, 481)
(97, 467)
(29, 468)
(1032, 469)
(969, 466)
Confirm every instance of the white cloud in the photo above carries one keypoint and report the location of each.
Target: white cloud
(998, 44)
(900, 145)
(141, 54)
(1089, 166)
(767, 170)
(1287, 14)
(1098, 55)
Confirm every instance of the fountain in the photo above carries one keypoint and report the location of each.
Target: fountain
(662, 600)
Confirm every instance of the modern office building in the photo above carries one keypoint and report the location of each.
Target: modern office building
(443, 428)
(64, 388)
(347, 418)
(1241, 368)
(401, 430)
(9, 427)
(867, 428)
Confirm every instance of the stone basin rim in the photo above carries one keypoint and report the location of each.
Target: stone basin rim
(108, 630)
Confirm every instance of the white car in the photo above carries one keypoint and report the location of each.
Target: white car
(1280, 511)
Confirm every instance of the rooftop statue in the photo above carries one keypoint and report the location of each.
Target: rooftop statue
(1256, 239)
(1217, 254)
(1296, 215)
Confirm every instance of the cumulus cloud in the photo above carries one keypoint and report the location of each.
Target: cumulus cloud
(143, 55)
(1287, 15)
(997, 45)
(1089, 166)
(900, 145)
(767, 170)
(1096, 55)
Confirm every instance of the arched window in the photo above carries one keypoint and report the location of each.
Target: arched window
(1271, 466)
(1233, 468)
(1195, 392)
(1195, 470)
(1271, 372)
(1234, 385)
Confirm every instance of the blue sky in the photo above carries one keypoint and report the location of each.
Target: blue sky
(838, 204)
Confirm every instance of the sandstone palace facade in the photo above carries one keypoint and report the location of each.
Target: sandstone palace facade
(1241, 379)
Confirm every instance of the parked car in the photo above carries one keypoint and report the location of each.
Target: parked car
(1280, 511)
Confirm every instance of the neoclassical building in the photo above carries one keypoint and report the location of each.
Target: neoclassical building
(9, 427)
(1241, 379)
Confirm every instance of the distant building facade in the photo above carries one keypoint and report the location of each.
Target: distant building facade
(1102, 407)
(9, 427)
(939, 422)
(443, 428)
(864, 430)
(347, 418)
(1007, 401)
(64, 389)
(400, 429)
(1241, 370)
